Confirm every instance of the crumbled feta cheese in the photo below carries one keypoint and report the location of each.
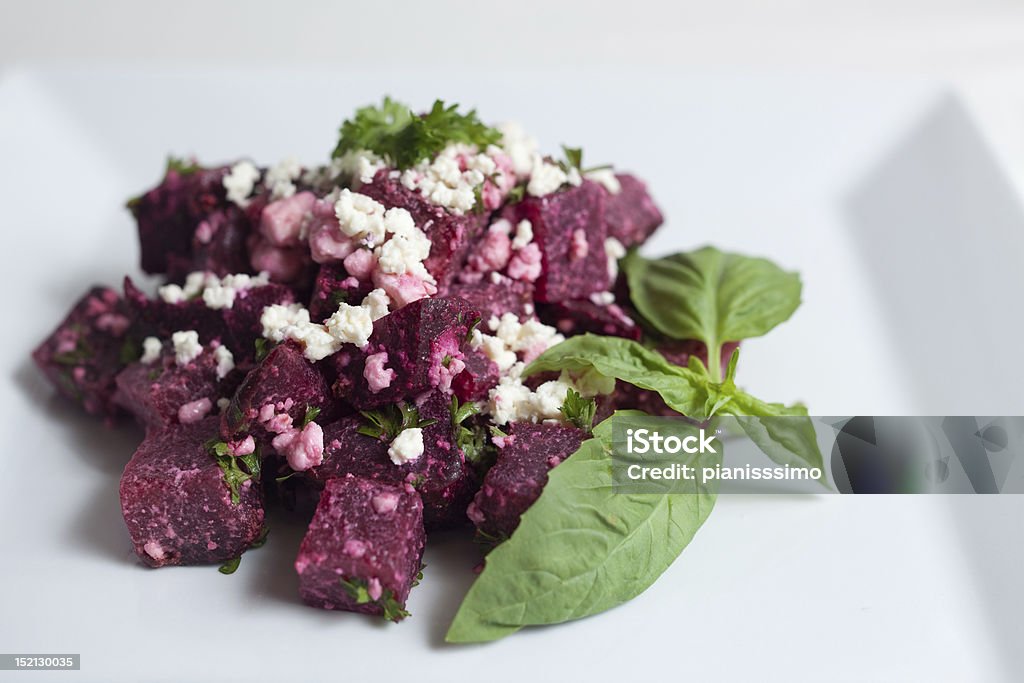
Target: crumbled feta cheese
(606, 177)
(377, 303)
(524, 234)
(186, 346)
(222, 404)
(225, 361)
(220, 293)
(240, 181)
(405, 253)
(602, 298)
(519, 147)
(281, 178)
(359, 165)
(194, 411)
(360, 217)
(351, 325)
(407, 446)
(172, 294)
(453, 178)
(151, 348)
(276, 319)
(573, 177)
(545, 177)
(512, 401)
(494, 349)
(615, 250)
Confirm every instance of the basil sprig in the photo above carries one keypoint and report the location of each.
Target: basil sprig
(691, 391)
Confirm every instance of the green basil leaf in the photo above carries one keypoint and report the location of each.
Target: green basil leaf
(581, 548)
(711, 296)
(623, 359)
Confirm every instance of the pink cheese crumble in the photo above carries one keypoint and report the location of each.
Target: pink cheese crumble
(194, 411)
(377, 376)
(302, 449)
(526, 264)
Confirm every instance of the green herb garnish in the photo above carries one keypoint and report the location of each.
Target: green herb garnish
(263, 347)
(403, 139)
(234, 473)
(358, 590)
(312, 412)
(579, 411)
(231, 566)
(387, 423)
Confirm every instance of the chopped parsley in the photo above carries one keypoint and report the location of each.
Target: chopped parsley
(312, 412)
(234, 473)
(231, 566)
(578, 410)
(471, 438)
(403, 139)
(390, 421)
(574, 159)
(392, 610)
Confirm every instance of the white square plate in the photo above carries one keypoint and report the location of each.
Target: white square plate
(880, 193)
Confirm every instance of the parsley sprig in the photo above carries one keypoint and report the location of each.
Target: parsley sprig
(390, 421)
(234, 473)
(579, 411)
(358, 590)
(403, 139)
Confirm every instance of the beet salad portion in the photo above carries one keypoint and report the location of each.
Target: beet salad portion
(414, 336)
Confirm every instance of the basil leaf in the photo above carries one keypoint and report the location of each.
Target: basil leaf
(681, 388)
(581, 548)
(711, 296)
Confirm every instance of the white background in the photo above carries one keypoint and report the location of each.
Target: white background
(857, 142)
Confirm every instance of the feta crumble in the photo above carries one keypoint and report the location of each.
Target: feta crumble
(545, 177)
(217, 293)
(602, 298)
(454, 177)
(351, 325)
(225, 361)
(407, 446)
(615, 250)
(359, 165)
(240, 182)
(519, 146)
(151, 348)
(524, 234)
(186, 346)
(360, 217)
(377, 303)
(281, 178)
(605, 177)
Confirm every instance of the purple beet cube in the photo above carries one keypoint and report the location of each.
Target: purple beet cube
(412, 350)
(363, 549)
(569, 228)
(87, 350)
(162, 392)
(238, 327)
(276, 395)
(178, 505)
(168, 215)
(578, 316)
(450, 235)
(219, 245)
(492, 299)
(480, 375)
(630, 214)
(334, 286)
(441, 475)
(518, 476)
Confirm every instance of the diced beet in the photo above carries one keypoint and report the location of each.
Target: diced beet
(237, 327)
(334, 286)
(569, 228)
(177, 503)
(218, 245)
(162, 393)
(87, 350)
(480, 375)
(450, 235)
(495, 298)
(169, 214)
(441, 474)
(275, 395)
(577, 316)
(630, 214)
(518, 476)
(422, 344)
(364, 548)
